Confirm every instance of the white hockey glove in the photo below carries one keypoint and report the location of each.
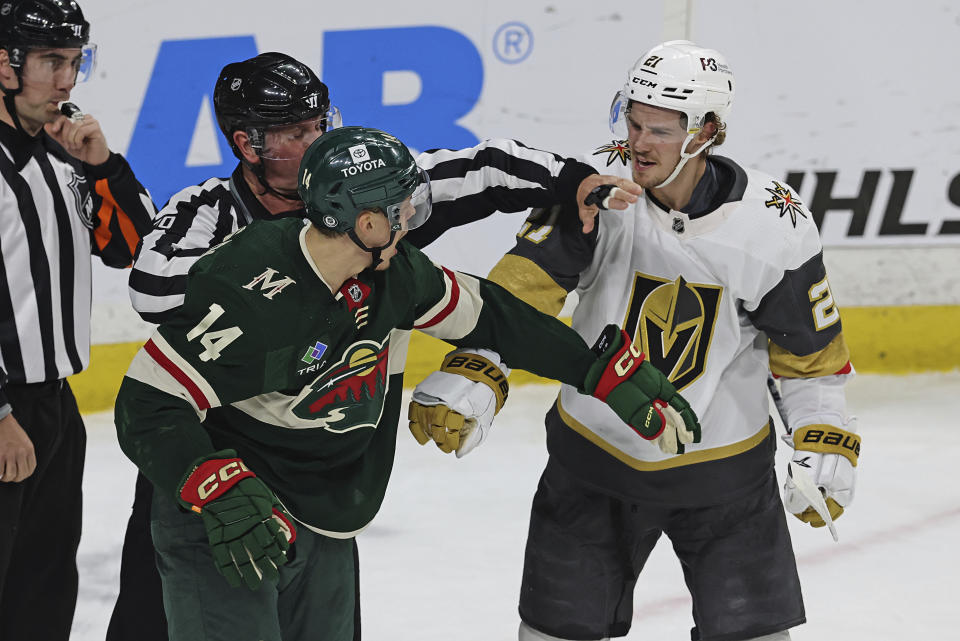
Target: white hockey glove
(829, 454)
(455, 405)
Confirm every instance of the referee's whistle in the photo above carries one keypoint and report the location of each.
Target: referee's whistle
(71, 111)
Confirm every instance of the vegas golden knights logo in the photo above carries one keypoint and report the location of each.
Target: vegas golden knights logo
(673, 323)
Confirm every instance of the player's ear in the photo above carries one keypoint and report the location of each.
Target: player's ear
(7, 74)
(242, 141)
(366, 221)
(709, 131)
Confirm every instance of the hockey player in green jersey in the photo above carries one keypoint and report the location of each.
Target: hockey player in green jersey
(265, 410)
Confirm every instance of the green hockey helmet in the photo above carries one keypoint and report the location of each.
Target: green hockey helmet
(354, 169)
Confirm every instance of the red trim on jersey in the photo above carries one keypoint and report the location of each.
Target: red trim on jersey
(177, 373)
(451, 304)
(846, 369)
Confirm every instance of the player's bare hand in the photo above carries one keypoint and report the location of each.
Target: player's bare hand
(83, 139)
(624, 193)
(17, 458)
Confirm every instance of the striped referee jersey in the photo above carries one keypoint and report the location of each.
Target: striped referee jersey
(465, 183)
(56, 211)
(501, 175)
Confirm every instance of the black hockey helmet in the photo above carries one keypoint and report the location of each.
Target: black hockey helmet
(268, 90)
(40, 24)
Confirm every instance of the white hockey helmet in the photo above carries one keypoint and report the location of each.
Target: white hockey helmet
(682, 76)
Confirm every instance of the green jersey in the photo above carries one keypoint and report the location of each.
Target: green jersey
(305, 382)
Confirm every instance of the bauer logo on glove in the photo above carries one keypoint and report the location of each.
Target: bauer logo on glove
(455, 406)
(830, 454)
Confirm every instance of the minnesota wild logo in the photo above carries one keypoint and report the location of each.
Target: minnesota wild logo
(350, 393)
(616, 150)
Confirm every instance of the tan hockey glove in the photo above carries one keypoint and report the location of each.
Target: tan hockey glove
(455, 405)
(830, 455)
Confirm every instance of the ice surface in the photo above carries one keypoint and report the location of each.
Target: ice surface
(443, 559)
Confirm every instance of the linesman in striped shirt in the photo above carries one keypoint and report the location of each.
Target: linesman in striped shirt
(64, 196)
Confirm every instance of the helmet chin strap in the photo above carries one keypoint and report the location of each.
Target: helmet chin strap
(260, 172)
(684, 157)
(375, 251)
(8, 100)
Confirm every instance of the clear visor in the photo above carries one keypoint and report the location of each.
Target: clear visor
(47, 65)
(88, 63)
(661, 127)
(288, 142)
(415, 209)
(618, 116)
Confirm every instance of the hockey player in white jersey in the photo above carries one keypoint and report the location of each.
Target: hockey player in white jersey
(717, 275)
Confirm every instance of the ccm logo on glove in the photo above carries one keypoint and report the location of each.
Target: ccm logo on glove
(211, 479)
(625, 363)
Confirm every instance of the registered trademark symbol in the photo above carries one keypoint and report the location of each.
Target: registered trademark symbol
(513, 42)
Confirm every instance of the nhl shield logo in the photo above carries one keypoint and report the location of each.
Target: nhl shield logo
(678, 225)
(81, 197)
(356, 294)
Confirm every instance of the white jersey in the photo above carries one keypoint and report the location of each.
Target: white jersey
(700, 294)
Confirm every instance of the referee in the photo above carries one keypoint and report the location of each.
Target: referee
(63, 197)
